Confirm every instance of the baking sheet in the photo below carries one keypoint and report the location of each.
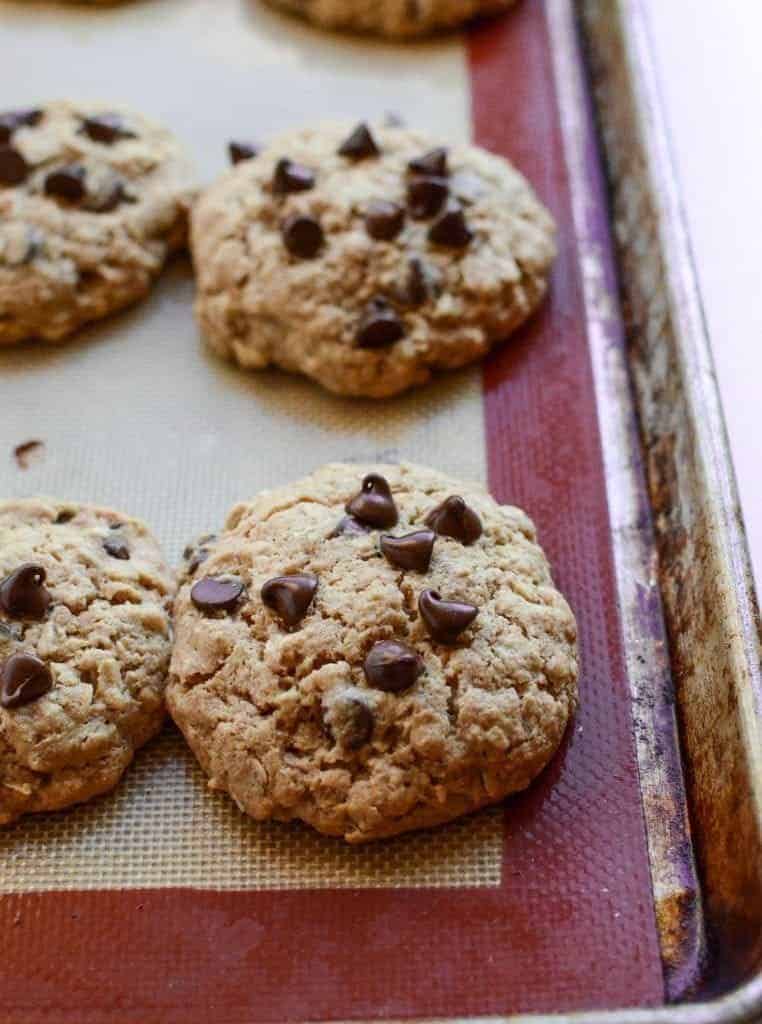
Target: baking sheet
(546, 905)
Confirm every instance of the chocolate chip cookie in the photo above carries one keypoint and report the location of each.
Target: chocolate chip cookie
(367, 258)
(84, 650)
(394, 18)
(372, 650)
(92, 201)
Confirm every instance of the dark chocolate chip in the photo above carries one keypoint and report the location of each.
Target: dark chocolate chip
(239, 151)
(450, 229)
(23, 594)
(116, 547)
(419, 286)
(290, 596)
(291, 177)
(23, 679)
(350, 721)
(374, 504)
(392, 666)
(214, 595)
(66, 183)
(359, 144)
(445, 620)
(379, 325)
(432, 163)
(384, 220)
(426, 197)
(106, 128)
(65, 516)
(349, 526)
(13, 167)
(302, 236)
(454, 518)
(196, 558)
(12, 120)
(413, 551)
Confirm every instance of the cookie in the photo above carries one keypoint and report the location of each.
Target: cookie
(394, 18)
(84, 650)
(367, 258)
(92, 202)
(372, 650)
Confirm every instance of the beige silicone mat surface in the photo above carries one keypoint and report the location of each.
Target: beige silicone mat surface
(135, 413)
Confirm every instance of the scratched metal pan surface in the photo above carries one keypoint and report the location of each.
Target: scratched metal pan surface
(603, 892)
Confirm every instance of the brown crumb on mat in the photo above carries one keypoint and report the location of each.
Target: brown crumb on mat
(27, 453)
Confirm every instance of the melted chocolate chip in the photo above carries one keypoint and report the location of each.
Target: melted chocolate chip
(116, 547)
(23, 594)
(350, 720)
(374, 504)
(65, 516)
(426, 197)
(392, 666)
(432, 163)
(350, 527)
(359, 144)
(291, 177)
(23, 679)
(12, 120)
(214, 595)
(113, 197)
(379, 325)
(66, 183)
(450, 229)
(302, 236)
(454, 518)
(445, 620)
(384, 220)
(290, 596)
(13, 167)
(413, 551)
(106, 129)
(239, 151)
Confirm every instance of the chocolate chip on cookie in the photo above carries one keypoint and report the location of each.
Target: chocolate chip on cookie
(67, 183)
(117, 547)
(12, 120)
(374, 504)
(445, 620)
(13, 167)
(379, 325)
(426, 196)
(359, 144)
(413, 551)
(383, 219)
(211, 594)
(454, 518)
(292, 177)
(302, 236)
(239, 151)
(349, 718)
(24, 678)
(450, 229)
(290, 596)
(431, 164)
(23, 594)
(350, 527)
(392, 666)
(106, 128)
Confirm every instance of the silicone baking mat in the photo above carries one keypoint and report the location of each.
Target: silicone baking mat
(161, 902)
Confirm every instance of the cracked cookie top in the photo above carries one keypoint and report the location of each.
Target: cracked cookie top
(371, 650)
(84, 650)
(92, 200)
(367, 257)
